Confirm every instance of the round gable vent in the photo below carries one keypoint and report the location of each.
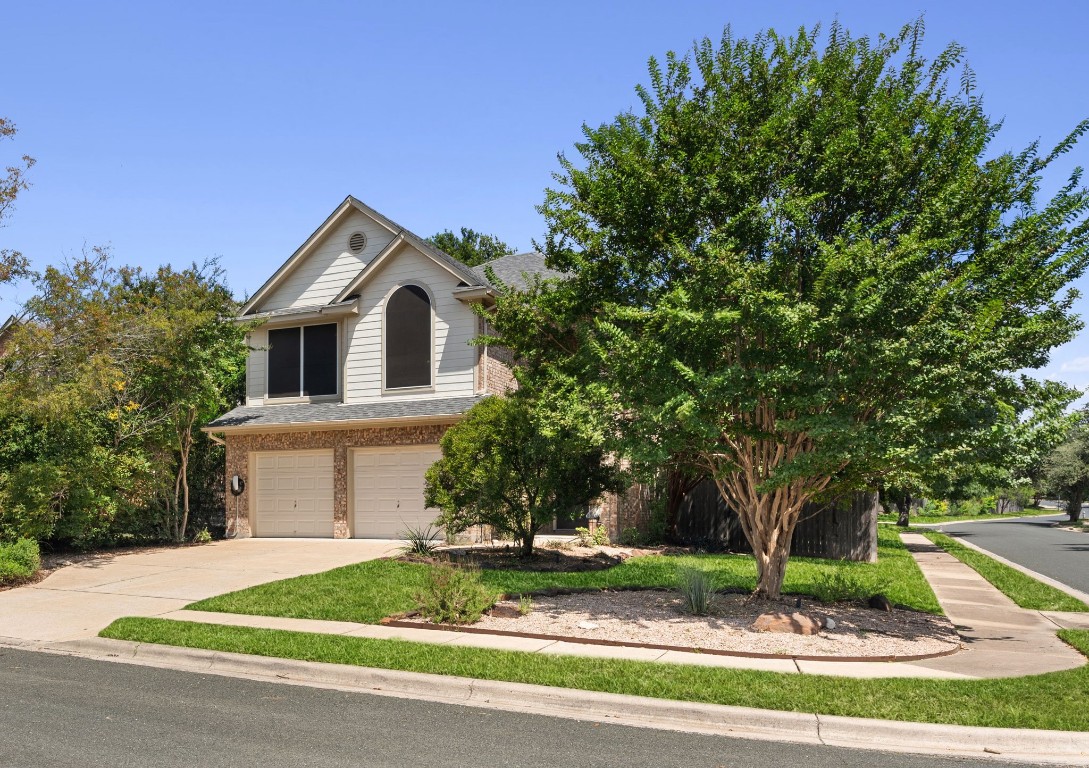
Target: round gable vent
(357, 242)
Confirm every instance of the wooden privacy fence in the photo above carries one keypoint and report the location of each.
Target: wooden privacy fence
(846, 530)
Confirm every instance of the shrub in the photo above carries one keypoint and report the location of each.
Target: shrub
(845, 582)
(419, 540)
(453, 595)
(631, 537)
(202, 536)
(698, 590)
(19, 561)
(525, 605)
(599, 538)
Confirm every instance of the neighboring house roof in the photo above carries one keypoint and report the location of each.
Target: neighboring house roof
(512, 270)
(271, 416)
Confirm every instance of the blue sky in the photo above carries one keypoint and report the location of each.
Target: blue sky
(177, 131)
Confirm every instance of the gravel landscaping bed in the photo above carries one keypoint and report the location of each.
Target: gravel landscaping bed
(654, 617)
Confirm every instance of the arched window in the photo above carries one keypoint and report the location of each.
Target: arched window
(408, 338)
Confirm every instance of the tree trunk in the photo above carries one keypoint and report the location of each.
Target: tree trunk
(527, 543)
(903, 509)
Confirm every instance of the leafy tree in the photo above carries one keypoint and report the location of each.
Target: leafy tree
(504, 467)
(1066, 469)
(12, 263)
(470, 247)
(113, 372)
(796, 260)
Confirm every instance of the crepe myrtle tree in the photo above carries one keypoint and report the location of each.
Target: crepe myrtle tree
(506, 467)
(800, 254)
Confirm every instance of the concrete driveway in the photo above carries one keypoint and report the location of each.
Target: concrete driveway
(80, 600)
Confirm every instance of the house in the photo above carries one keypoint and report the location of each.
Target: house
(360, 359)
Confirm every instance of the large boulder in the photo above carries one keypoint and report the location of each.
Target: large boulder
(796, 623)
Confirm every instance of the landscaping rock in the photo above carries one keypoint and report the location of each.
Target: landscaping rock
(829, 623)
(587, 625)
(880, 603)
(502, 611)
(796, 623)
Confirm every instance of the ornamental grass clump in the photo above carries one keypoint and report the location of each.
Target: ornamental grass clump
(697, 588)
(453, 595)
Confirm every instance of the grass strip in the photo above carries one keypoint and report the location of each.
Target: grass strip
(1051, 701)
(1024, 590)
(366, 592)
(934, 519)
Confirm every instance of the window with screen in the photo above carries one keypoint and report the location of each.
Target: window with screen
(408, 342)
(302, 362)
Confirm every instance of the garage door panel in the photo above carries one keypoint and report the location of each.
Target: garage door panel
(388, 492)
(294, 494)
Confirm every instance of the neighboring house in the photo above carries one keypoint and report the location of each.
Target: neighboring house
(361, 362)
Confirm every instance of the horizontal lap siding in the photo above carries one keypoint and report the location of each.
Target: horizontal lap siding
(330, 267)
(455, 327)
(255, 368)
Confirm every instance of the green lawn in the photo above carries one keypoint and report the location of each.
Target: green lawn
(1024, 590)
(1052, 701)
(934, 519)
(367, 592)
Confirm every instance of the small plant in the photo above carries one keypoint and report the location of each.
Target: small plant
(453, 595)
(697, 588)
(202, 536)
(631, 537)
(599, 537)
(19, 560)
(845, 583)
(525, 605)
(419, 540)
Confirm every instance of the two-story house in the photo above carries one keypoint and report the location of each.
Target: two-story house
(361, 361)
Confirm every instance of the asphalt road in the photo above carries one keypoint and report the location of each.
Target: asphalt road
(1033, 543)
(64, 711)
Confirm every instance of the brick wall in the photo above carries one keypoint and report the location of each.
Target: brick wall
(239, 447)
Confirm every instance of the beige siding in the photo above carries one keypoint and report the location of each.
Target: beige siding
(330, 266)
(255, 367)
(455, 326)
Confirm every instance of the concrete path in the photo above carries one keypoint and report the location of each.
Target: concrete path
(1002, 639)
(78, 601)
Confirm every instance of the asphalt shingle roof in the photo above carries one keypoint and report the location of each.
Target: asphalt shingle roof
(512, 270)
(319, 413)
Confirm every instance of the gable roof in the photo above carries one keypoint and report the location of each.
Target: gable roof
(401, 234)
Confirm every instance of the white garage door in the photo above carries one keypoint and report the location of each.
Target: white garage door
(387, 490)
(294, 493)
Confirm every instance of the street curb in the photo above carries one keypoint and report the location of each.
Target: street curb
(1077, 594)
(1004, 744)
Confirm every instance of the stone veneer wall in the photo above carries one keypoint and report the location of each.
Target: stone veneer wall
(629, 509)
(239, 447)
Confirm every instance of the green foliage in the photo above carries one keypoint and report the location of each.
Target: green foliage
(470, 247)
(599, 538)
(525, 605)
(848, 583)
(697, 588)
(631, 537)
(507, 466)
(203, 536)
(419, 540)
(19, 560)
(453, 595)
(103, 389)
(803, 263)
(12, 263)
(1066, 469)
